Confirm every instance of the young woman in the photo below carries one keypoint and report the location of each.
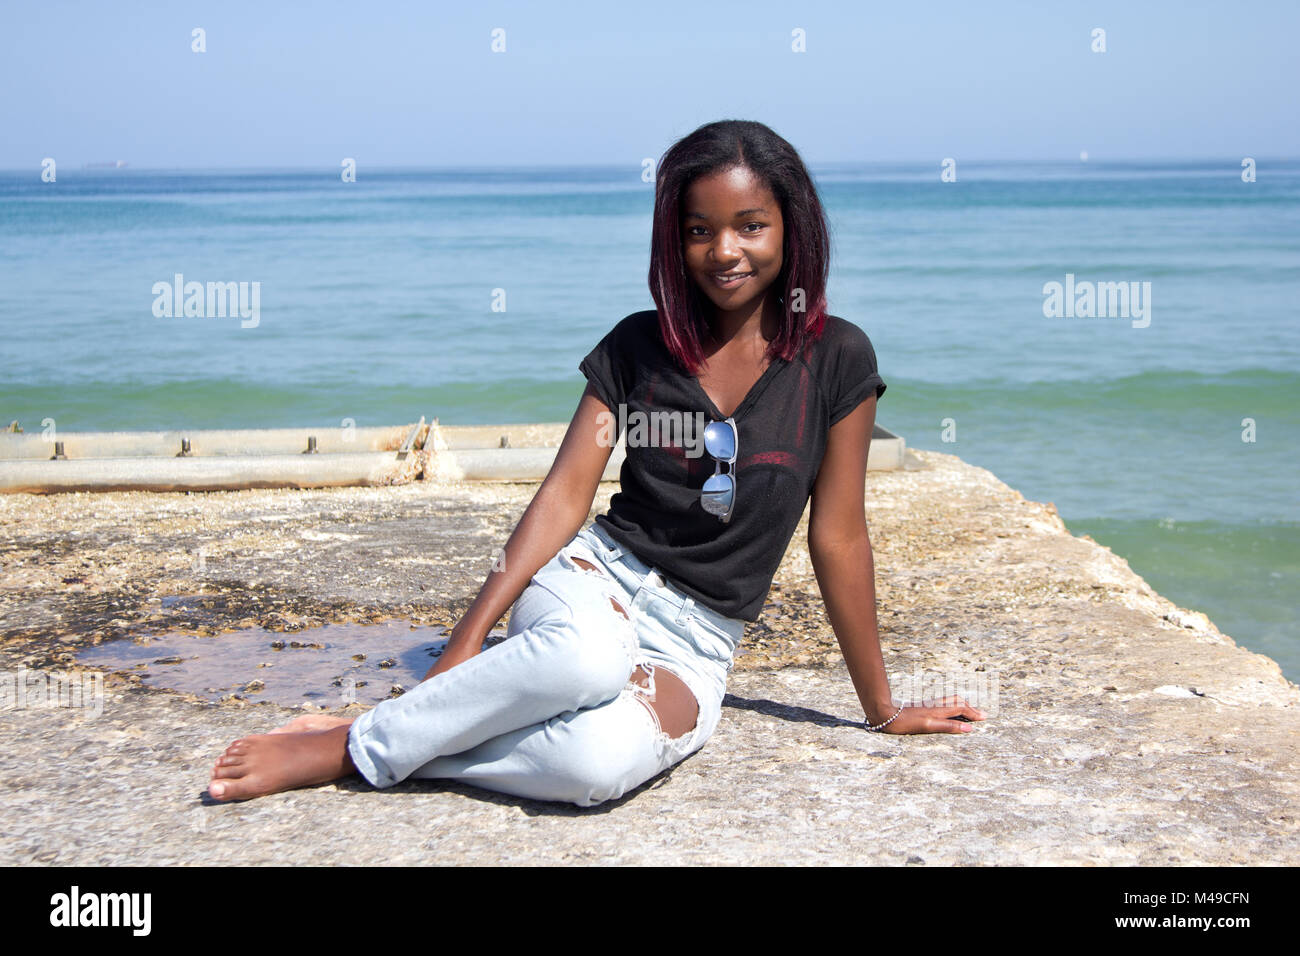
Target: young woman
(622, 633)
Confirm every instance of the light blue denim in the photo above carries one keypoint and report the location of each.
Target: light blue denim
(551, 713)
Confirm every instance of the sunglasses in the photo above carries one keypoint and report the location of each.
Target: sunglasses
(719, 493)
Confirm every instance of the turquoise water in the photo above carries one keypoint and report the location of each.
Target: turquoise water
(376, 304)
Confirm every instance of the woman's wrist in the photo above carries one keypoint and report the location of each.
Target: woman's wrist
(880, 710)
(457, 651)
(464, 641)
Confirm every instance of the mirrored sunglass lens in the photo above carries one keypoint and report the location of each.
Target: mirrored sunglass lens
(714, 505)
(717, 495)
(720, 440)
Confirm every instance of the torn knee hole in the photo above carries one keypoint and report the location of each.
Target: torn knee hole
(640, 698)
(643, 680)
(618, 607)
(675, 712)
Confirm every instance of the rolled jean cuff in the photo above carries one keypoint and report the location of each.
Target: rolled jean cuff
(365, 765)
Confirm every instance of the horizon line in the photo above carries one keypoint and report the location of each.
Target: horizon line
(105, 165)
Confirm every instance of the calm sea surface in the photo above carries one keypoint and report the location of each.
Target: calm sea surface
(376, 304)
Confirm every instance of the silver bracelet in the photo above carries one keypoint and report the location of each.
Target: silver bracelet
(880, 727)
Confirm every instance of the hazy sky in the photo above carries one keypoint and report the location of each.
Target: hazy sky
(401, 83)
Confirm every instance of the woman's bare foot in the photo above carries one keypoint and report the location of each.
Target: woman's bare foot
(309, 722)
(268, 763)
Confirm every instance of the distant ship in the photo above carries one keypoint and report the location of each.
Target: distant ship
(112, 164)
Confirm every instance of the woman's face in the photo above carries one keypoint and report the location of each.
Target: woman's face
(731, 223)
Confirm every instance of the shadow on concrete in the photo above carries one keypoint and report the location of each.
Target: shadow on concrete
(802, 715)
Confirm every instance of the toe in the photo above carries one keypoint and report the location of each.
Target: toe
(226, 790)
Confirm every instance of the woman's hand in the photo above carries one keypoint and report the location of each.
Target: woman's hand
(940, 719)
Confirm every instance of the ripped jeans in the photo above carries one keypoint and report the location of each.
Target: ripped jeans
(552, 712)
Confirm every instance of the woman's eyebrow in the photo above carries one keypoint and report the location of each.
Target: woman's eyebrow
(743, 212)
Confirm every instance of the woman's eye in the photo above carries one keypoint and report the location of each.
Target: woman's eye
(691, 230)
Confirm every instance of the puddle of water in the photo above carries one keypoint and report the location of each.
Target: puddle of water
(188, 602)
(330, 666)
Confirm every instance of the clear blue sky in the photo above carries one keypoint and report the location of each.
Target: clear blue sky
(406, 83)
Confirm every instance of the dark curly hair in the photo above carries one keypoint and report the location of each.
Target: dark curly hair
(719, 147)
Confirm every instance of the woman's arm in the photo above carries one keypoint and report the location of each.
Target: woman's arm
(552, 518)
(840, 549)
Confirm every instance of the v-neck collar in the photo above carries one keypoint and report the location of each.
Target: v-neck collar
(751, 396)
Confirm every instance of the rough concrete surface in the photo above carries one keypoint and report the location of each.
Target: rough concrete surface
(1127, 730)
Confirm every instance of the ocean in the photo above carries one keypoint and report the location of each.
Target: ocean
(1167, 431)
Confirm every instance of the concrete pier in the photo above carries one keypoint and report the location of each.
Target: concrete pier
(1128, 730)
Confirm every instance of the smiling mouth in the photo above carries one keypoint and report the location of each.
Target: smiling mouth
(730, 280)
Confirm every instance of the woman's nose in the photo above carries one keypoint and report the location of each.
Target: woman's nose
(725, 247)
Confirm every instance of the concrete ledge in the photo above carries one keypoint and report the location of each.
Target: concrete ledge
(206, 474)
(277, 458)
(203, 442)
(1129, 731)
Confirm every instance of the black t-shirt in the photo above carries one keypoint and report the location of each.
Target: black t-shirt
(782, 427)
